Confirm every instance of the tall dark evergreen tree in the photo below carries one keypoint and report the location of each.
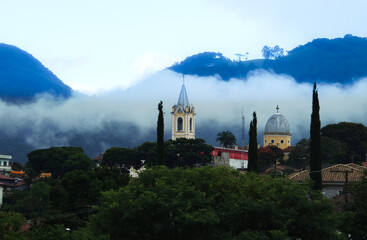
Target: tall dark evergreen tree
(252, 148)
(315, 142)
(160, 135)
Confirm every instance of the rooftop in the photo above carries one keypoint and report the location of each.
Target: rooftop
(277, 123)
(334, 174)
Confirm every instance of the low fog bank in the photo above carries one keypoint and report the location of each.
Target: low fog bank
(128, 118)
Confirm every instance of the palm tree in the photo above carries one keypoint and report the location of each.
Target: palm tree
(226, 139)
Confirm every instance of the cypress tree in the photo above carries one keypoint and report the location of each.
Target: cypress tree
(315, 142)
(160, 135)
(252, 148)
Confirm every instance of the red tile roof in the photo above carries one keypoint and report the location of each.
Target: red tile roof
(3, 177)
(329, 174)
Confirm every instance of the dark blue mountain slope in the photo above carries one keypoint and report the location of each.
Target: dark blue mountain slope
(339, 60)
(22, 77)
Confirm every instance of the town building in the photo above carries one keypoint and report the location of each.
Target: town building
(335, 178)
(277, 131)
(5, 166)
(9, 184)
(183, 117)
(235, 158)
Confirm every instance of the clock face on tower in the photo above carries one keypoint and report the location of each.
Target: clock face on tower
(179, 111)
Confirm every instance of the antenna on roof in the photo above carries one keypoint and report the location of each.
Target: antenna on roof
(243, 129)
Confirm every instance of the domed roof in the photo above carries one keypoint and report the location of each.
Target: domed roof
(277, 124)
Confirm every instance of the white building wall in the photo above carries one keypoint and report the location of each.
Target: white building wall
(332, 191)
(235, 163)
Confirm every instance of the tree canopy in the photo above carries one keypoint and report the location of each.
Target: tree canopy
(226, 139)
(213, 203)
(299, 158)
(57, 160)
(184, 152)
(351, 138)
(272, 52)
(181, 152)
(122, 158)
(267, 156)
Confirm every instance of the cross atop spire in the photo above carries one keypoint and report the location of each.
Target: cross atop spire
(277, 108)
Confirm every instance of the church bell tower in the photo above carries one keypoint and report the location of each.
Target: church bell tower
(183, 117)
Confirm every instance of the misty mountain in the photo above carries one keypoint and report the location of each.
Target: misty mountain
(339, 60)
(22, 77)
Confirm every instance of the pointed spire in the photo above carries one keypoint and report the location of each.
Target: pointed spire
(183, 99)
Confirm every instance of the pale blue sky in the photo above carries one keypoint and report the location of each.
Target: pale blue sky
(99, 45)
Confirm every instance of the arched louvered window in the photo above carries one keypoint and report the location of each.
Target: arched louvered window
(179, 124)
(190, 124)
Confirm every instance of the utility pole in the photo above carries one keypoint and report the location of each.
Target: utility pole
(243, 129)
(346, 172)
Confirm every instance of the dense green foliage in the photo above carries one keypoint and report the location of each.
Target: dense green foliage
(68, 201)
(57, 160)
(343, 142)
(48, 232)
(10, 225)
(315, 141)
(160, 135)
(121, 157)
(350, 140)
(334, 151)
(226, 139)
(299, 158)
(339, 60)
(356, 224)
(252, 149)
(213, 203)
(184, 152)
(267, 156)
(181, 152)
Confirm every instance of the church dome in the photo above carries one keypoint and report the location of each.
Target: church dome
(277, 124)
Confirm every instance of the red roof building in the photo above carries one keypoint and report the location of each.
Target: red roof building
(233, 157)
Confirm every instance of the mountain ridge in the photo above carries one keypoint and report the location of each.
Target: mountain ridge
(23, 77)
(338, 60)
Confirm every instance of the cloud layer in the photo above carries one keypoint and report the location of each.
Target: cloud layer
(128, 117)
